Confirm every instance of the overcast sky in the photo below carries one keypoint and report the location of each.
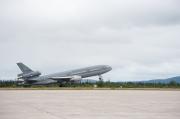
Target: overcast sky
(140, 39)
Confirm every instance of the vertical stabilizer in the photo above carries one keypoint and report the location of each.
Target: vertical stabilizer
(24, 68)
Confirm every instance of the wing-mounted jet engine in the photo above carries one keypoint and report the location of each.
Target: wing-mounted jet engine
(67, 78)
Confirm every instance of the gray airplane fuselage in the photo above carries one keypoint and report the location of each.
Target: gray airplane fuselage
(83, 73)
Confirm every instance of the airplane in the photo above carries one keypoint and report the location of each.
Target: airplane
(30, 77)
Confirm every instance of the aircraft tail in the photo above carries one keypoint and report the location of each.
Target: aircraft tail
(24, 68)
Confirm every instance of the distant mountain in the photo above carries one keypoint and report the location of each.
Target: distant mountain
(165, 81)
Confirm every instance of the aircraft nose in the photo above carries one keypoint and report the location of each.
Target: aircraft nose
(108, 67)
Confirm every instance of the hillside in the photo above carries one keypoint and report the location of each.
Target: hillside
(165, 81)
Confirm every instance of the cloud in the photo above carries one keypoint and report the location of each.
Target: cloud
(139, 39)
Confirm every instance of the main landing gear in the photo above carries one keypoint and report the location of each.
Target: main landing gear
(100, 78)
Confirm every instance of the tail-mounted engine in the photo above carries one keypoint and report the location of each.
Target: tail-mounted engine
(28, 75)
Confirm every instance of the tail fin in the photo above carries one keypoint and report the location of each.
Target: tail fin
(24, 68)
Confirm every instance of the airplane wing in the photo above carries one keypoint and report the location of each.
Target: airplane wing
(66, 78)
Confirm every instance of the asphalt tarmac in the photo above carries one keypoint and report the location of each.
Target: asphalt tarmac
(89, 104)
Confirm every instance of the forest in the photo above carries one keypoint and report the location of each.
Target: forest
(99, 84)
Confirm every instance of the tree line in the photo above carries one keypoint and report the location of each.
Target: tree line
(100, 84)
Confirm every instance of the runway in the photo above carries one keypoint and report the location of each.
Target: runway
(89, 104)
